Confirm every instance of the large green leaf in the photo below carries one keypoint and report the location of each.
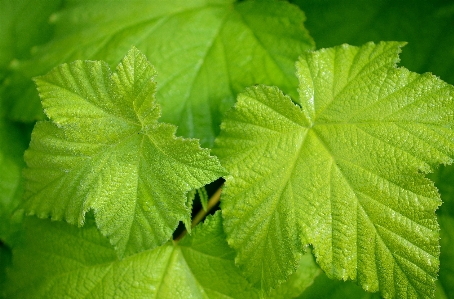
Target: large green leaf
(425, 25)
(60, 261)
(342, 171)
(323, 287)
(103, 149)
(205, 51)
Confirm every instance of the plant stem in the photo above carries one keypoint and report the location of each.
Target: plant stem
(214, 199)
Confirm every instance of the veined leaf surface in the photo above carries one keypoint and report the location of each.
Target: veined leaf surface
(49, 265)
(103, 149)
(340, 171)
(205, 51)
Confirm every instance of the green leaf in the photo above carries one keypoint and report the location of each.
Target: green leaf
(49, 264)
(205, 51)
(425, 25)
(203, 195)
(326, 288)
(342, 172)
(300, 280)
(105, 150)
(323, 287)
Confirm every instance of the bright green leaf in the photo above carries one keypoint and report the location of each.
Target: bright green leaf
(323, 287)
(105, 150)
(341, 172)
(60, 261)
(205, 51)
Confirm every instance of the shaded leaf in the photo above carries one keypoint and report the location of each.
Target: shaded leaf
(48, 265)
(205, 51)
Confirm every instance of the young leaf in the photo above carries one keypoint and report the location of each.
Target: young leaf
(103, 149)
(205, 51)
(341, 172)
(49, 265)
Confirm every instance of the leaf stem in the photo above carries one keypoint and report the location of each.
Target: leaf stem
(214, 199)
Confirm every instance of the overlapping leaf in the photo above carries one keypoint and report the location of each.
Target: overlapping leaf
(341, 171)
(205, 51)
(305, 275)
(326, 288)
(58, 261)
(105, 150)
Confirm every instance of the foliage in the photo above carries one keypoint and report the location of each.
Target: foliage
(324, 161)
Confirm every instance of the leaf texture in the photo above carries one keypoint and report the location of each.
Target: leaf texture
(341, 171)
(104, 150)
(205, 51)
(48, 265)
